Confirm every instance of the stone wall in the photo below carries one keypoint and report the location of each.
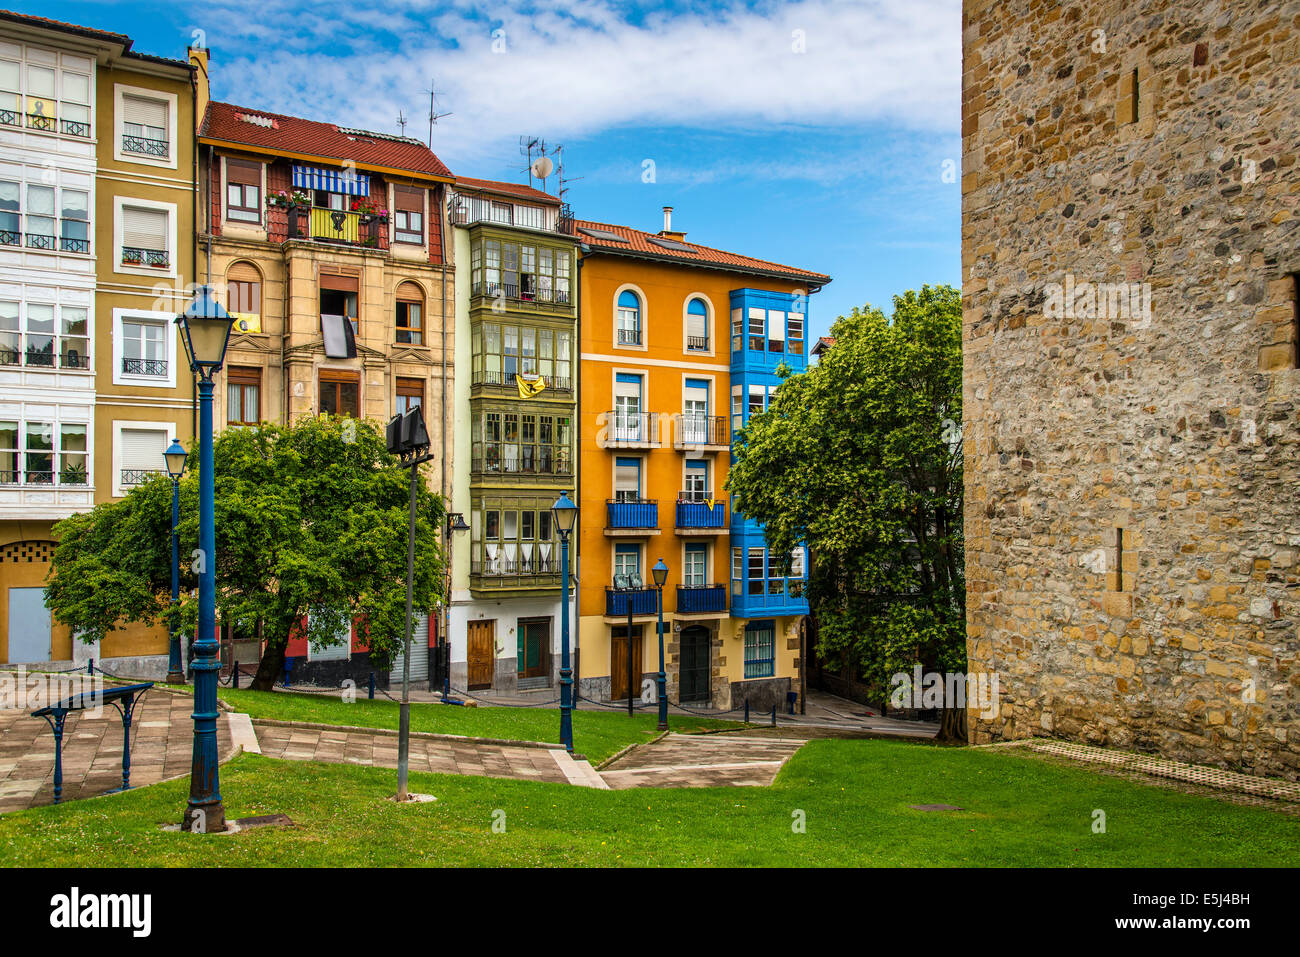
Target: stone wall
(1133, 474)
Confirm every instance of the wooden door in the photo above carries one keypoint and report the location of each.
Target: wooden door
(482, 645)
(693, 683)
(618, 663)
(534, 638)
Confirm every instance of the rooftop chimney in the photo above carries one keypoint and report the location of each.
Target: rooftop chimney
(668, 232)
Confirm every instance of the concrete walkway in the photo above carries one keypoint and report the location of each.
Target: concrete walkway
(162, 737)
(702, 761)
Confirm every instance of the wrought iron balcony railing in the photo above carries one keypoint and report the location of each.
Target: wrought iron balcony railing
(39, 121)
(701, 599)
(10, 237)
(692, 429)
(144, 145)
(139, 256)
(507, 381)
(697, 343)
(517, 572)
(514, 458)
(640, 601)
(40, 241)
(632, 513)
(150, 367)
(700, 514)
(75, 127)
(132, 477)
(624, 427)
(629, 337)
(512, 291)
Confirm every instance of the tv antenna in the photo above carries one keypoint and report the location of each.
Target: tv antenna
(434, 115)
(401, 121)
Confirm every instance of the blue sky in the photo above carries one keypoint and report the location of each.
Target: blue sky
(814, 133)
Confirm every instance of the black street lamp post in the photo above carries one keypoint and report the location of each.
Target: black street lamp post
(204, 329)
(175, 459)
(660, 573)
(566, 516)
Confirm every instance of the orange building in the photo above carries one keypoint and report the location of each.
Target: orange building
(667, 374)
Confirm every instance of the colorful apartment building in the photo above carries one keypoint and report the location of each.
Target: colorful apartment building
(516, 319)
(96, 248)
(327, 245)
(680, 344)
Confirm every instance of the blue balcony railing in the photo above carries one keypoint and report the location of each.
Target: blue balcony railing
(700, 514)
(643, 601)
(632, 513)
(701, 599)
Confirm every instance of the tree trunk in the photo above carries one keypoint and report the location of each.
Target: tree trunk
(952, 726)
(270, 667)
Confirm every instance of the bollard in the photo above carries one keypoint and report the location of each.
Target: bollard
(90, 667)
(774, 716)
(746, 711)
(372, 686)
(234, 675)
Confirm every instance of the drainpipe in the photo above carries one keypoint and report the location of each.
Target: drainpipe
(577, 491)
(445, 636)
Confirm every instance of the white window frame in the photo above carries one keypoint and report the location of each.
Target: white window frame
(169, 349)
(170, 428)
(259, 227)
(643, 319)
(711, 325)
(120, 91)
(119, 226)
(696, 547)
(424, 218)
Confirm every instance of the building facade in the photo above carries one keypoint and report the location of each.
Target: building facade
(1129, 262)
(516, 323)
(327, 245)
(96, 242)
(679, 345)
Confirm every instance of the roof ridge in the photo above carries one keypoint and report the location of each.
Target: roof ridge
(700, 246)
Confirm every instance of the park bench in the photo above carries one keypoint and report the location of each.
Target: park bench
(123, 698)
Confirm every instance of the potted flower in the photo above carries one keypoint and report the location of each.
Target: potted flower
(369, 211)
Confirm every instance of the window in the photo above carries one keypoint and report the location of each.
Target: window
(737, 328)
(629, 319)
(11, 227)
(737, 408)
(52, 334)
(756, 397)
(694, 569)
(244, 297)
(760, 649)
(57, 218)
(145, 234)
(408, 215)
(697, 326)
(627, 561)
(501, 352)
(74, 208)
(243, 191)
(511, 442)
(144, 126)
(695, 411)
(339, 296)
(144, 345)
(43, 453)
(627, 479)
(520, 271)
(53, 99)
(756, 576)
(697, 481)
(40, 217)
(140, 456)
(795, 583)
(628, 420)
(775, 331)
(340, 392)
(410, 308)
(512, 538)
(737, 570)
(243, 396)
(757, 330)
(410, 394)
(794, 327)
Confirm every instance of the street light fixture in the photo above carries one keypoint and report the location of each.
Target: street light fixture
(175, 459)
(408, 439)
(660, 573)
(565, 514)
(204, 329)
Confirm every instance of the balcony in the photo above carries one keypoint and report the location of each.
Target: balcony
(129, 478)
(137, 256)
(11, 355)
(530, 295)
(335, 226)
(505, 382)
(697, 516)
(701, 599)
(629, 337)
(712, 432)
(515, 575)
(521, 459)
(148, 367)
(620, 602)
(622, 429)
(144, 145)
(631, 517)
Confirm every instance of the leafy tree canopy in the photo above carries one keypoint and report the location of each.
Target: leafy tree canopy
(310, 517)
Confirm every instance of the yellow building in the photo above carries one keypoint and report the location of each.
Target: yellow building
(96, 240)
(679, 344)
(327, 244)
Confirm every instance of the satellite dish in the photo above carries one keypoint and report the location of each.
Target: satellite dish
(543, 167)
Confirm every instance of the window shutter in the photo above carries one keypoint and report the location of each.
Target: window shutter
(695, 326)
(143, 449)
(144, 228)
(404, 197)
(136, 109)
(243, 172)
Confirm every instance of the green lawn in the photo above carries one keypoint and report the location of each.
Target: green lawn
(597, 734)
(855, 795)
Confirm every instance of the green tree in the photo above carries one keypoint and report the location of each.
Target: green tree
(309, 517)
(860, 459)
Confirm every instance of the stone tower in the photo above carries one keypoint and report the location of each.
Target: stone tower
(1130, 253)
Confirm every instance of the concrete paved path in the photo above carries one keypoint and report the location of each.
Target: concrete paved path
(162, 737)
(703, 760)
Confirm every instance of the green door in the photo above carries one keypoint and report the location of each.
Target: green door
(533, 637)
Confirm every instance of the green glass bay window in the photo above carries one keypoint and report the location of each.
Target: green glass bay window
(514, 442)
(514, 539)
(502, 351)
(520, 271)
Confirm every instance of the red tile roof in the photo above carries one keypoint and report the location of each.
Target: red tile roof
(224, 122)
(639, 245)
(508, 189)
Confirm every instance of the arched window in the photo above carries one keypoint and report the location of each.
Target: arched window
(697, 325)
(629, 318)
(410, 314)
(244, 296)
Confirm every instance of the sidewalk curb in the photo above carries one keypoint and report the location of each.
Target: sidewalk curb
(631, 747)
(390, 732)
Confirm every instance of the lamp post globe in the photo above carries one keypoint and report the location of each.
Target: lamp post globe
(565, 514)
(204, 330)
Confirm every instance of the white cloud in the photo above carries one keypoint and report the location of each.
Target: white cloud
(572, 69)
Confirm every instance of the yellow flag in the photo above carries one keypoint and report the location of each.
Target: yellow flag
(529, 389)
